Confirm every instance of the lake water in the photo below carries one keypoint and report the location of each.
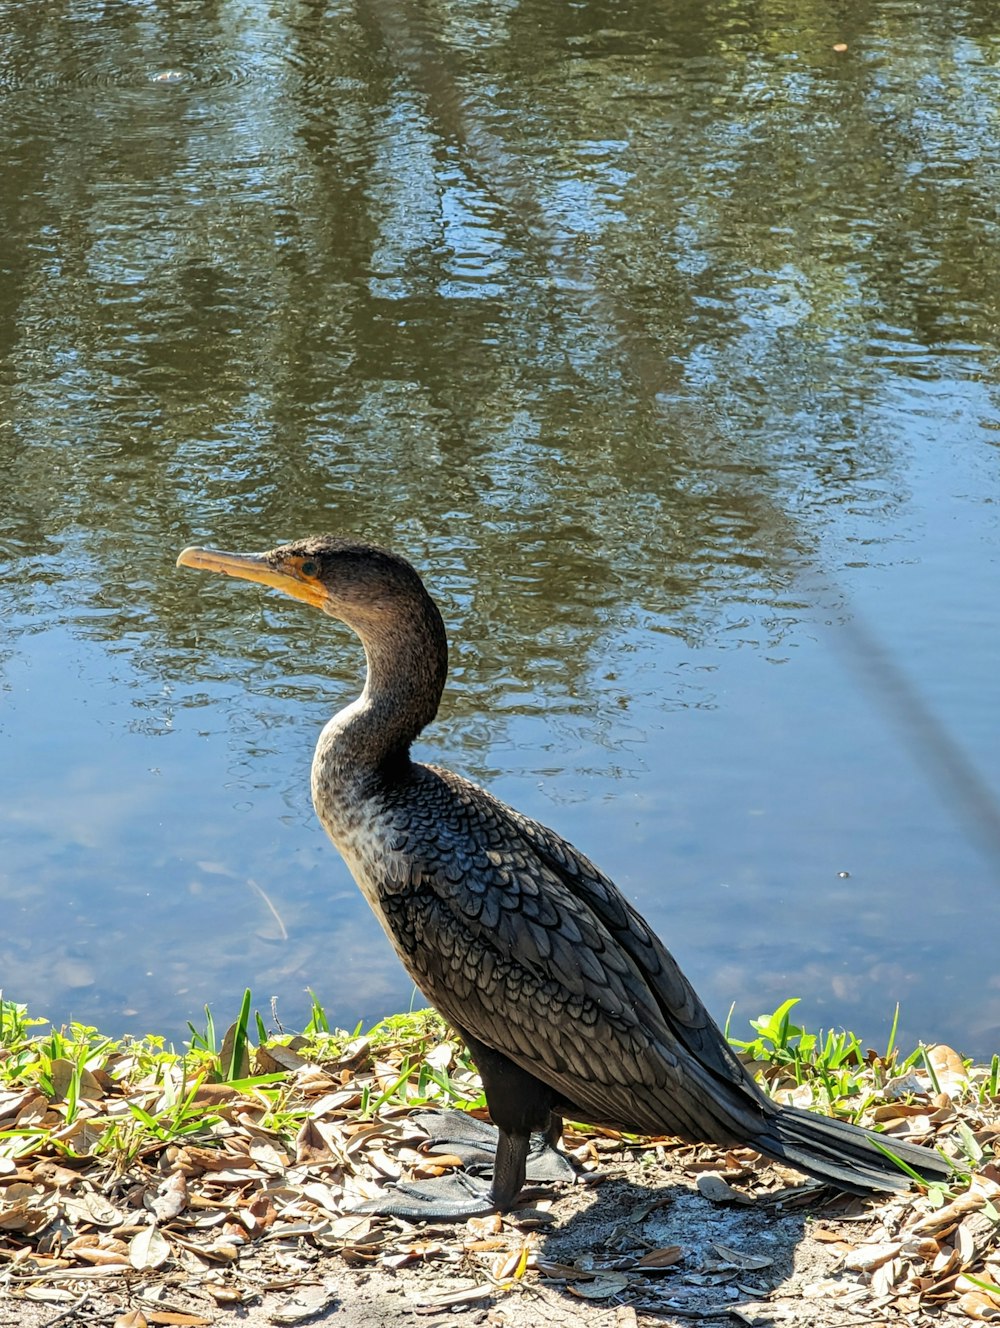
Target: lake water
(662, 338)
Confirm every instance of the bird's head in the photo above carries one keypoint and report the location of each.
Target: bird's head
(361, 584)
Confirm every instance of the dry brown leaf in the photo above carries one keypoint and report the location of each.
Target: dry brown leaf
(237, 1178)
(400, 1259)
(242, 1069)
(905, 1085)
(949, 1068)
(463, 1296)
(213, 1094)
(712, 1164)
(866, 1258)
(220, 1251)
(222, 1294)
(964, 1241)
(354, 1229)
(178, 1319)
(353, 1054)
(324, 1196)
(271, 1059)
(257, 1214)
(49, 1295)
(915, 1126)
(711, 1186)
(978, 1305)
(884, 1277)
(360, 1136)
(945, 1262)
(63, 1073)
(603, 1287)
(723, 1256)
(898, 1111)
(654, 1260)
(512, 1264)
(171, 1198)
(191, 1159)
(827, 1235)
(95, 1254)
(13, 1100)
(131, 1319)
(148, 1249)
(91, 1208)
(311, 1146)
(51, 1173)
(920, 1247)
(947, 1216)
(268, 1157)
(355, 1256)
(564, 1271)
(801, 1095)
(441, 1055)
(24, 1207)
(82, 1135)
(32, 1110)
(963, 1283)
(384, 1164)
(709, 1279)
(338, 1103)
(311, 1081)
(988, 1186)
(386, 1073)
(89, 1274)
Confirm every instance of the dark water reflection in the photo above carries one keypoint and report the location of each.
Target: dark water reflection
(663, 338)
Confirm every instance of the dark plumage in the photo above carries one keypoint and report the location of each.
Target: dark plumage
(568, 1001)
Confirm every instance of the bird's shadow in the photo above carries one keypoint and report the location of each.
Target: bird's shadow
(701, 1258)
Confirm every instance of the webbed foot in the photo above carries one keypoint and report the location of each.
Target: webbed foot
(508, 1159)
(451, 1198)
(475, 1142)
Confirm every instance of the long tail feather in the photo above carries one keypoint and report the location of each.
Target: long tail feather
(847, 1155)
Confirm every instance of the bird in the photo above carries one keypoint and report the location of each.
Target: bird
(569, 1003)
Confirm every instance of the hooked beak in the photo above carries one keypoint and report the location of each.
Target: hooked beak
(267, 569)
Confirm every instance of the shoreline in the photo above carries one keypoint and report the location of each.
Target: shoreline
(211, 1176)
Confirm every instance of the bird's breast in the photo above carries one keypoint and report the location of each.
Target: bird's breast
(361, 828)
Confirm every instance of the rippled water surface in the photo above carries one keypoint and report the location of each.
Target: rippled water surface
(662, 338)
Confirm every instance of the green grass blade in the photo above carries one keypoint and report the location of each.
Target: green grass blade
(233, 1069)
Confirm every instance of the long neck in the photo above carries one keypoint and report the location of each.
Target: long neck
(407, 657)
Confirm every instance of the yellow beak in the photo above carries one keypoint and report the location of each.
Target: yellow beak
(266, 569)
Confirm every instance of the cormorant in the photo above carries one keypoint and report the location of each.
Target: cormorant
(569, 1004)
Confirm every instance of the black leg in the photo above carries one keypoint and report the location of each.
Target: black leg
(509, 1168)
(553, 1135)
(520, 1105)
(475, 1142)
(527, 1130)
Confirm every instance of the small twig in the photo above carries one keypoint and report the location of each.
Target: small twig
(68, 1313)
(723, 1312)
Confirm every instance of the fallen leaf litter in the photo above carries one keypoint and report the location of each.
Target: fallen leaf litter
(193, 1228)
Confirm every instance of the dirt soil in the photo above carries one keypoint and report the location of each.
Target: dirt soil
(238, 1223)
(646, 1240)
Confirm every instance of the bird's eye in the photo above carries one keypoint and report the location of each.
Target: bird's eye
(308, 569)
